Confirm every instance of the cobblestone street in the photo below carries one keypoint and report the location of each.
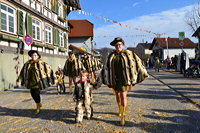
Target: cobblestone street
(152, 107)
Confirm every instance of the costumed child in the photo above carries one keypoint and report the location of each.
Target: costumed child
(83, 97)
(60, 78)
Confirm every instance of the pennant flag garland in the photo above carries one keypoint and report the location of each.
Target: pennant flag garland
(124, 36)
(112, 21)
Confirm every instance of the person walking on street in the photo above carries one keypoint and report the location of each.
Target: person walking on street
(60, 80)
(96, 65)
(72, 69)
(36, 75)
(123, 69)
(157, 65)
(87, 63)
(83, 97)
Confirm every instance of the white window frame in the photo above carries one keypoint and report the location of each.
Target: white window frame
(47, 3)
(60, 9)
(61, 38)
(37, 28)
(8, 14)
(48, 34)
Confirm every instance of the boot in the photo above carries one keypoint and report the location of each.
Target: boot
(122, 117)
(38, 106)
(119, 106)
(70, 89)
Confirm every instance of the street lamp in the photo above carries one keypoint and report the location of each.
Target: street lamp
(167, 46)
(93, 43)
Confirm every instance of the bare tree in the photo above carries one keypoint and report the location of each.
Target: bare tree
(193, 19)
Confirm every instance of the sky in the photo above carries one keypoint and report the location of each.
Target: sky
(158, 16)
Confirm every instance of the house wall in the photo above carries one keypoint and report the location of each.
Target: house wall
(173, 52)
(139, 51)
(40, 10)
(9, 64)
(52, 53)
(81, 42)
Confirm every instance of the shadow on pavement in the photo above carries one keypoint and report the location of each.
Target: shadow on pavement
(185, 121)
(152, 93)
(46, 114)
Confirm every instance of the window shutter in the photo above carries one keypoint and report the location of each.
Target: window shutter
(64, 12)
(58, 37)
(54, 36)
(29, 28)
(20, 25)
(65, 40)
(54, 6)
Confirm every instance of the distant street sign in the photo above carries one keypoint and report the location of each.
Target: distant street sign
(181, 43)
(28, 40)
(181, 35)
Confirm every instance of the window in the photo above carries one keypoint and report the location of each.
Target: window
(61, 39)
(46, 3)
(48, 34)
(60, 10)
(7, 19)
(36, 29)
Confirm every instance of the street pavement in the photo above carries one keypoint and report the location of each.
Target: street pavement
(153, 106)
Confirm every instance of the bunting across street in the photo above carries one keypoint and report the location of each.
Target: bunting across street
(115, 22)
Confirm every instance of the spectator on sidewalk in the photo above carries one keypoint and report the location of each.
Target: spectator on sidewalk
(36, 75)
(72, 69)
(157, 64)
(168, 61)
(123, 69)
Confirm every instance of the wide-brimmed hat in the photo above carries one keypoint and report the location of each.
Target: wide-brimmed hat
(117, 39)
(34, 51)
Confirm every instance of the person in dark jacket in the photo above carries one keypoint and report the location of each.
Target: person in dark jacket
(36, 75)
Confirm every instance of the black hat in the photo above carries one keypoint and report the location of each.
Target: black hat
(117, 39)
(34, 51)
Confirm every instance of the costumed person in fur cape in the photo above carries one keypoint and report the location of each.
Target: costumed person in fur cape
(72, 69)
(123, 69)
(36, 75)
(83, 97)
(96, 65)
(87, 63)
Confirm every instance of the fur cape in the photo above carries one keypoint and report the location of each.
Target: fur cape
(87, 64)
(76, 63)
(44, 71)
(134, 70)
(96, 65)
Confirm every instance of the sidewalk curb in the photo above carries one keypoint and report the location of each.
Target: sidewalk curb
(179, 93)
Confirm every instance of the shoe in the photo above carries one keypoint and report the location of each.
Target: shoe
(119, 106)
(122, 117)
(38, 106)
(70, 89)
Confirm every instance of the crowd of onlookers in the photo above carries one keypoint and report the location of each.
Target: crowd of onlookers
(177, 62)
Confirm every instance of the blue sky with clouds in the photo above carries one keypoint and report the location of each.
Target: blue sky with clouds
(160, 16)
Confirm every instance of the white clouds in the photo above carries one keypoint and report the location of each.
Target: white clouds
(170, 22)
(135, 4)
